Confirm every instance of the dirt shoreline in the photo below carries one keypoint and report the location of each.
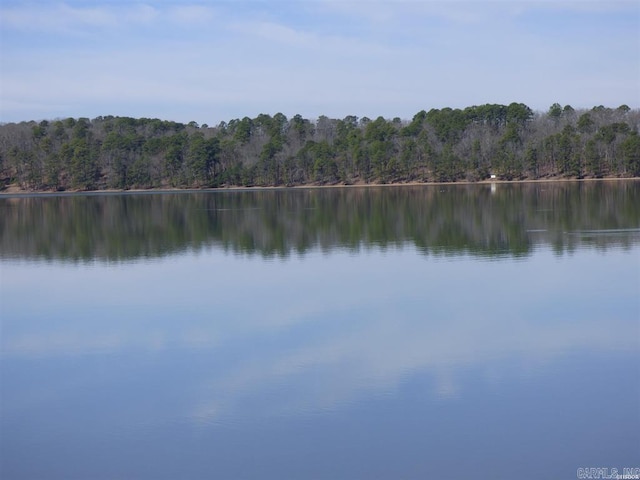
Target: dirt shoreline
(14, 190)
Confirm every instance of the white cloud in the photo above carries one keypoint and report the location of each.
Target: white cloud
(390, 58)
(60, 17)
(67, 18)
(274, 32)
(190, 14)
(140, 14)
(464, 12)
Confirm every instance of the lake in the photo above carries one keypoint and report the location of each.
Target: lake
(453, 331)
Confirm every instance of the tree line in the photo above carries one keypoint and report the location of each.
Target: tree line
(441, 145)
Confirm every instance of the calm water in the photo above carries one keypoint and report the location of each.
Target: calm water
(431, 332)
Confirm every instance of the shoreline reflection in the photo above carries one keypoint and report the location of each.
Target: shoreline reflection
(464, 219)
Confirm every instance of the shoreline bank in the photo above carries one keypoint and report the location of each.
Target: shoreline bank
(14, 190)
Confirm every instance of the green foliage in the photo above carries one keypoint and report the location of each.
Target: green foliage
(175, 146)
(448, 123)
(439, 145)
(52, 170)
(492, 115)
(242, 130)
(555, 111)
(531, 160)
(140, 175)
(593, 159)
(585, 123)
(569, 159)
(447, 166)
(631, 152)
(301, 127)
(519, 113)
(59, 132)
(81, 128)
(38, 132)
(324, 167)
(416, 125)
(83, 165)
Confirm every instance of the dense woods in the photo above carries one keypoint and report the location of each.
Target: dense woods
(441, 145)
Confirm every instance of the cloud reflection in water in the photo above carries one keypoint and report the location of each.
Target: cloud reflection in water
(319, 332)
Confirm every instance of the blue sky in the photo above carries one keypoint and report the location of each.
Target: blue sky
(214, 61)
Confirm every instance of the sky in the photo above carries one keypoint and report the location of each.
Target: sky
(215, 61)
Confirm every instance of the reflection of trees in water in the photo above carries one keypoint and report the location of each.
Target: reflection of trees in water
(439, 220)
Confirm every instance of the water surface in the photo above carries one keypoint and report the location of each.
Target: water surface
(421, 332)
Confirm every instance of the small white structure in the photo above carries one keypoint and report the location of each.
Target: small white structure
(493, 184)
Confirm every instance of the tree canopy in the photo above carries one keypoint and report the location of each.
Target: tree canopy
(447, 144)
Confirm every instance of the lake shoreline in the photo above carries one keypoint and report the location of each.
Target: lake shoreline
(14, 190)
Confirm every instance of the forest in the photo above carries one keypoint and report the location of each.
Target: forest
(472, 144)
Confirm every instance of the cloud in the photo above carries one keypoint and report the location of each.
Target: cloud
(271, 31)
(63, 17)
(369, 338)
(385, 351)
(463, 12)
(190, 14)
(67, 18)
(140, 14)
(390, 58)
